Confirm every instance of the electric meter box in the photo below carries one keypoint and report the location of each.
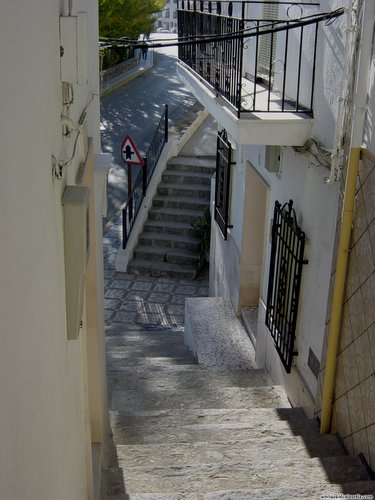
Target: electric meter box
(73, 48)
(75, 201)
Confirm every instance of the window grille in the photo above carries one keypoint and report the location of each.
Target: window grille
(222, 192)
(288, 242)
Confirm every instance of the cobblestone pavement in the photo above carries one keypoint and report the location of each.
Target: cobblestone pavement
(143, 300)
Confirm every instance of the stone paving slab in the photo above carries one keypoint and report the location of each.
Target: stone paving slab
(223, 433)
(311, 492)
(215, 397)
(216, 336)
(204, 452)
(191, 377)
(232, 475)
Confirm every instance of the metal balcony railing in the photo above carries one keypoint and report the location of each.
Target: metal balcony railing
(259, 56)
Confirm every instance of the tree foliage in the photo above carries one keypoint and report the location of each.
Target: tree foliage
(127, 18)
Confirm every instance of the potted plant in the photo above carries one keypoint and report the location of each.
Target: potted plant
(201, 228)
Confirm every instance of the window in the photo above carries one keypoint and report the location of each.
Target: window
(223, 163)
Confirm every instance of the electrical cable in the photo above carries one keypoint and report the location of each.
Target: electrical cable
(245, 33)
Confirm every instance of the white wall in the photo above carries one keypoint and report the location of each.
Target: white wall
(43, 450)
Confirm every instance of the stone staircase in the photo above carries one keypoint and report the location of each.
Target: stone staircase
(166, 247)
(184, 432)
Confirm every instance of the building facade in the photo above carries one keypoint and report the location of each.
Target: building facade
(285, 85)
(167, 18)
(53, 387)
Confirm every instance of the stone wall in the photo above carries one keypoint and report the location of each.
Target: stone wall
(117, 70)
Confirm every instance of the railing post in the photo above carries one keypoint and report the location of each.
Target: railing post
(166, 124)
(124, 229)
(144, 176)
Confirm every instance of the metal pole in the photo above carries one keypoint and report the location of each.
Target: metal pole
(130, 191)
(166, 124)
(144, 176)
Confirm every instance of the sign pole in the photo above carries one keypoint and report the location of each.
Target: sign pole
(130, 201)
(130, 156)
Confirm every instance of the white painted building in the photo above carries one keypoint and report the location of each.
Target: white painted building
(282, 105)
(167, 18)
(52, 363)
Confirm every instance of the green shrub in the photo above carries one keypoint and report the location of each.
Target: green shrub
(201, 228)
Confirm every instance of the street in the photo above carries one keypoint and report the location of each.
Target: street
(135, 109)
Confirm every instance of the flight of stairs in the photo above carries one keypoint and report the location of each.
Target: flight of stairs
(166, 246)
(183, 432)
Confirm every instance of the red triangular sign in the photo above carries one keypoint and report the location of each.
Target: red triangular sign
(130, 153)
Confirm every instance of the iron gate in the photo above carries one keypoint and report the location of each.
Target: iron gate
(288, 243)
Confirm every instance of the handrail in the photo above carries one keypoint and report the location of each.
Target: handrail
(138, 192)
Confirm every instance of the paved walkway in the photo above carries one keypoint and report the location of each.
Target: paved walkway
(143, 300)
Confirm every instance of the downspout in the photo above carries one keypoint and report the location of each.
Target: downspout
(358, 117)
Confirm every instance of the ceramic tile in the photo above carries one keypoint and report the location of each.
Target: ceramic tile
(368, 294)
(346, 329)
(349, 362)
(360, 444)
(364, 257)
(368, 190)
(371, 444)
(342, 417)
(360, 220)
(357, 314)
(357, 420)
(368, 399)
(352, 280)
(363, 356)
(340, 387)
(371, 337)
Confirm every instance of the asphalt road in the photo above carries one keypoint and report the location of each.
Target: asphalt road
(135, 109)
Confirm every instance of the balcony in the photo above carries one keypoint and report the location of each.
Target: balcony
(252, 65)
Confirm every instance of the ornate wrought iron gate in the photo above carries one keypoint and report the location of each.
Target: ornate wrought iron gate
(223, 163)
(288, 243)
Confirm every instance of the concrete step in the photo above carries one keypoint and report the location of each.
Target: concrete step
(171, 255)
(154, 351)
(144, 338)
(230, 433)
(215, 397)
(310, 492)
(193, 190)
(193, 163)
(113, 330)
(167, 269)
(166, 241)
(124, 360)
(192, 377)
(174, 214)
(249, 474)
(167, 228)
(186, 177)
(205, 452)
(180, 202)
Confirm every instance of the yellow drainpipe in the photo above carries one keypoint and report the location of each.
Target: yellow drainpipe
(339, 289)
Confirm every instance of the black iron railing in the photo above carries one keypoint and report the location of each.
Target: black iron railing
(288, 242)
(257, 62)
(139, 188)
(222, 187)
